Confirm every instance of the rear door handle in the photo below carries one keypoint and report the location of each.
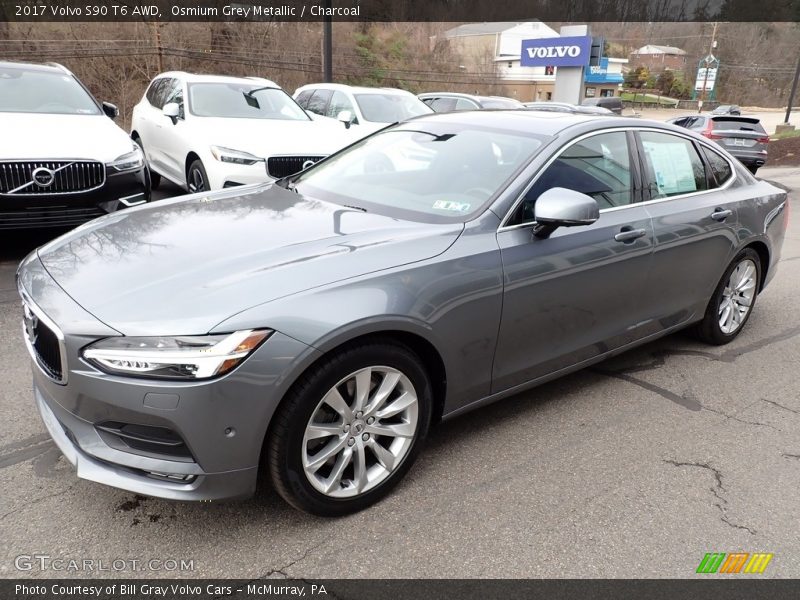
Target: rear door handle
(628, 235)
(721, 214)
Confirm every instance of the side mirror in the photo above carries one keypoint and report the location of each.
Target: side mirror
(111, 111)
(560, 207)
(345, 117)
(171, 110)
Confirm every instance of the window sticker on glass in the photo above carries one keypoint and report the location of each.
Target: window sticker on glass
(672, 166)
(449, 205)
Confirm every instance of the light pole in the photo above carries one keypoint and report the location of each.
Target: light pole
(327, 45)
(793, 92)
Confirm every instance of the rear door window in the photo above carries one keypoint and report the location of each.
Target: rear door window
(720, 168)
(673, 166)
(302, 98)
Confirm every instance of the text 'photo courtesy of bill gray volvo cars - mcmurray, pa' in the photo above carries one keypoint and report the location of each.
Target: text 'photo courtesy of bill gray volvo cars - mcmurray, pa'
(411, 277)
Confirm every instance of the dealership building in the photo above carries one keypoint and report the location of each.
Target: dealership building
(498, 46)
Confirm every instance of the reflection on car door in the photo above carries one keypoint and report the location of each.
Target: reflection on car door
(576, 294)
(161, 128)
(173, 138)
(694, 220)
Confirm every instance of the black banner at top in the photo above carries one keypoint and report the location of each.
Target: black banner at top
(401, 10)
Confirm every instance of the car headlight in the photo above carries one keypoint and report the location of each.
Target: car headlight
(179, 357)
(131, 161)
(237, 157)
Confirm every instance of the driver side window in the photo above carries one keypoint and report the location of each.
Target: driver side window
(598, 166)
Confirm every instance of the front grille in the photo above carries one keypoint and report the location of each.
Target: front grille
(39, 216)
(283, 166)
(33, 178)
(147, 439)
(44, 345)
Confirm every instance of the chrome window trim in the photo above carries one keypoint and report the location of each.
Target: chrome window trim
(551, 160)
(34, 308)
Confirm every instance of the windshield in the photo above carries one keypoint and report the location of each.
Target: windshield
(390, 108)
(434, 172)
(243, 101)
(33, 91)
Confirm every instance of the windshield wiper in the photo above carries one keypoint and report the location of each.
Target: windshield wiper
(251, 99)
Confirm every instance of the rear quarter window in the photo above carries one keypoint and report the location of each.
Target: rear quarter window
(720, 167)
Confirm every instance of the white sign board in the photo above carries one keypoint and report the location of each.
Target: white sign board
(705, 77)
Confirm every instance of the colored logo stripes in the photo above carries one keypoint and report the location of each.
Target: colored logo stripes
(736, 562)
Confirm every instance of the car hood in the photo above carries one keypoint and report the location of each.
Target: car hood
(270, 137)
(184, 265)
(47, 136)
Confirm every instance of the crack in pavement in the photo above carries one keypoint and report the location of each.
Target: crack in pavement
(797, 412)
(721, 503)
(737, 419)
(39, 500)
(797, 456)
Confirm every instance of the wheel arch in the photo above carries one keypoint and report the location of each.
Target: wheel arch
(763, 253)
(190, 158)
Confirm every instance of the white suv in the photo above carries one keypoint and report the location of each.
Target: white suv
(363, 110)
(206, 132)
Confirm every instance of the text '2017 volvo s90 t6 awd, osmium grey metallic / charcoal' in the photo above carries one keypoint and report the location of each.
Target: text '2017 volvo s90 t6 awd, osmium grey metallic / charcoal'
(317, 326)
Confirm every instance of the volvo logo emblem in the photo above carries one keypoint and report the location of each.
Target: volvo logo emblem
(31, 322)
(43, 177)
(308, 163)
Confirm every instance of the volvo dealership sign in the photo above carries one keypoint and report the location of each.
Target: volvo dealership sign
(556, 52)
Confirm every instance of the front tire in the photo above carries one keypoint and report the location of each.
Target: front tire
(350, 428)
(732, 302)
(197, 178)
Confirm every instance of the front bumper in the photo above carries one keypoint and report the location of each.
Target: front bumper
(119, 191)
(221, 422)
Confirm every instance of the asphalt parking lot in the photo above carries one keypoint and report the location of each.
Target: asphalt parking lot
(634, 468)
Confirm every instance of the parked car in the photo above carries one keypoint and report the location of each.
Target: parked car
(727, 109)
(612, 103)
(744, 137)
(317, 326)
(452, 101)
(362, 110)
(206, 132)
(566, 107)
(63, 160)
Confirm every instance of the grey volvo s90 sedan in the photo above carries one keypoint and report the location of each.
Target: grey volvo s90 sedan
(316, 327)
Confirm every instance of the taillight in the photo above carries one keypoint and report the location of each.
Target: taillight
(763, 140)
(709, 132)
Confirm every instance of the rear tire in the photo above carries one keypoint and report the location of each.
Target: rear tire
(733, 300)
(350, 428)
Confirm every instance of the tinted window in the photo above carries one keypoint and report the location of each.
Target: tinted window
(390, 108)
(734, 124)
(34, 91)
(719, 166)
(443, 104)
(243, 101)
(319, 101)
(464, 104)
(338, 103)
(161, 89)
(302, 97)
(176, 95)
(499, 103)
(598, 166)
(673, 165)
(430, 171)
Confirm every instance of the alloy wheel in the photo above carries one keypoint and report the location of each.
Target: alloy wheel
(360, 432)
(737, 297)
(196, 181)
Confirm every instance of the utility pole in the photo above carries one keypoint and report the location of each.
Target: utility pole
(159, 51)
(327, 45)
(708, 63)
(793, 92)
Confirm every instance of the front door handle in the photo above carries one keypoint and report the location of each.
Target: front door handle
(628, 235)
(720, 214)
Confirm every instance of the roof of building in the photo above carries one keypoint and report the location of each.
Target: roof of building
(656, 49)
(485, 28)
